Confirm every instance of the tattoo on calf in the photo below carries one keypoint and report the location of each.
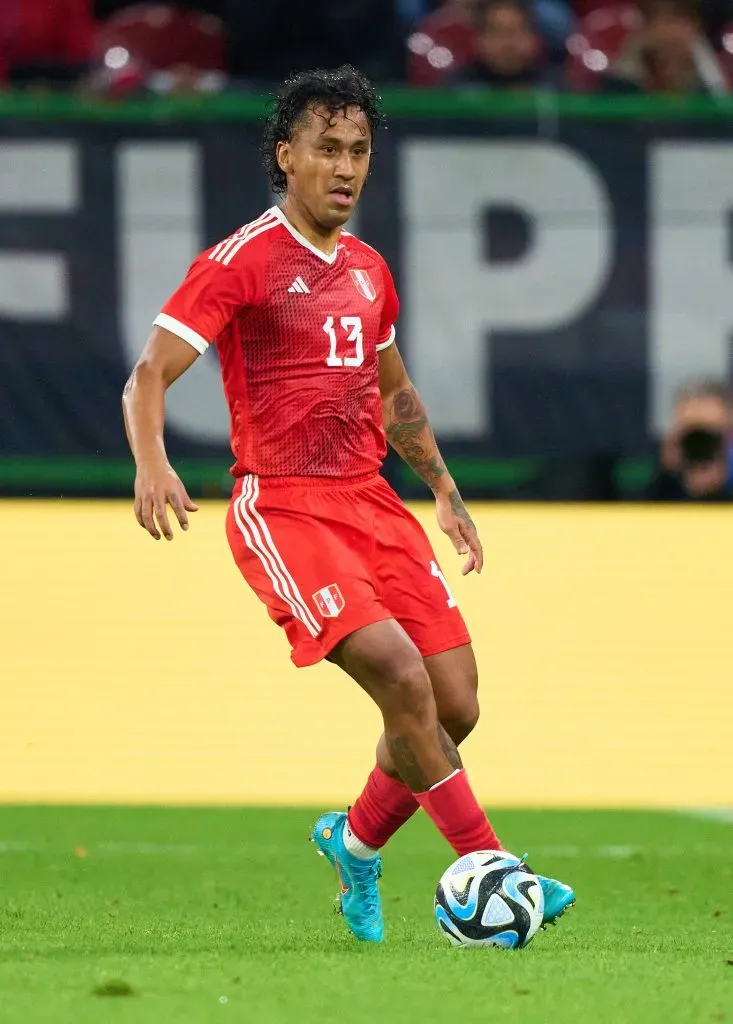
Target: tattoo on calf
(405, 763)
(449, 748)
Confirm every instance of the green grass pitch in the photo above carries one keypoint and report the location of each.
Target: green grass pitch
(225, 915)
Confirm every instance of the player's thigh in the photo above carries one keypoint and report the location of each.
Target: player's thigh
(314, 583)
(413, 587)
(385, 662)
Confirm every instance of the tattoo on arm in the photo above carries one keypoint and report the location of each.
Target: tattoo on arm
(410, 434)
(459, 509)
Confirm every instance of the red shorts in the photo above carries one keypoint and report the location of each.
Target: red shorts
(328, 558)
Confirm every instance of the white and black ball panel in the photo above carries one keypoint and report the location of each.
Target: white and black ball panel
(489, 898)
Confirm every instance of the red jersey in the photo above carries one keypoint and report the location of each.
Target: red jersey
(297, 332)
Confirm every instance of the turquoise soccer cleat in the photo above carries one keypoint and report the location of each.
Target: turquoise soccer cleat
(359, 899)
(558, 898)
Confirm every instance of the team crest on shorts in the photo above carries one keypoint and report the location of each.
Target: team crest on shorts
(329, 601)
(363, 282)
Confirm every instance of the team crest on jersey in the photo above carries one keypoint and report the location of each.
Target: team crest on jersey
(329, 601)
(363, 282)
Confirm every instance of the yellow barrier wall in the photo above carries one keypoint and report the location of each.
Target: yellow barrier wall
(136, 671)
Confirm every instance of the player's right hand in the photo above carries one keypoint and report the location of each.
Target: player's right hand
(156, 487)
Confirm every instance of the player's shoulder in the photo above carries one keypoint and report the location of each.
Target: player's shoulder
(358, 248)
(246, 245)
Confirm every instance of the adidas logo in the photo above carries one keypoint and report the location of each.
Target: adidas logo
(300, 286)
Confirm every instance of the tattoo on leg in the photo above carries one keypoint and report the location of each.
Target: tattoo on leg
(449, 748)
(405, 763)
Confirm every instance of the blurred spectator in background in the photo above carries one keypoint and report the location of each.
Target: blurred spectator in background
(667, 52)
(696, 453)
(715, 15)
(443, 38)
(162, 48)
(440, 42)
(508, 50)
(44, 42)
(267, 40)
(555, 18)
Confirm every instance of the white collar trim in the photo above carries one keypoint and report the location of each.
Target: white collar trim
(302, 239)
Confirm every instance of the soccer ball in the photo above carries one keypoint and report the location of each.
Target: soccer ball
(489, 898)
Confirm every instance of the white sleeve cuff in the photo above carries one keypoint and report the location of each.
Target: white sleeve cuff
(181, 331)
(389, 341)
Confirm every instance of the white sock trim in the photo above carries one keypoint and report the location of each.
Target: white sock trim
(446, 779)
(354, 845)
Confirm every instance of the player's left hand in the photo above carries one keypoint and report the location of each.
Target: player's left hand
(453, 519)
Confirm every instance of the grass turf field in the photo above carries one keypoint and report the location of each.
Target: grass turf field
(193, 915)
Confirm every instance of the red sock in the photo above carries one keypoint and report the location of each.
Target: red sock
(455, 810)
(384, 806)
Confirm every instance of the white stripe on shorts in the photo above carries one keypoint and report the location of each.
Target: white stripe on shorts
(270, 544)
(259, 540)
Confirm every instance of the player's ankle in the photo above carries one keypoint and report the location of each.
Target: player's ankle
(355, 845)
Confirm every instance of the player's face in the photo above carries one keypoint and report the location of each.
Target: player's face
(327, 163)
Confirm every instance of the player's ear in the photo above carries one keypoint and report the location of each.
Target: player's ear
(284, 156)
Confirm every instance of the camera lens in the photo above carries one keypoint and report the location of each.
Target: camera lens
(699, 446)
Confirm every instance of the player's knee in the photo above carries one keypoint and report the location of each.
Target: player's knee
(461, 718)
(406, 688)
(391, 670)
(458, 707)
(412, 688)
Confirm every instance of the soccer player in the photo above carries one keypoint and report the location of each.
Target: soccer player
(303, 317)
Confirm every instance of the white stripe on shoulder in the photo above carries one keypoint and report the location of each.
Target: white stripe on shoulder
(241, 235)
(267, 226)
(222, 247)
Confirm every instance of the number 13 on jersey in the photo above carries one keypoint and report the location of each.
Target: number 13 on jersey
(351, 335)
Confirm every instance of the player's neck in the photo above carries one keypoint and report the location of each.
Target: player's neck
(301, 220)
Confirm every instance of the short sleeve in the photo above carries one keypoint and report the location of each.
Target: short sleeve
(390, 311)
(210, 297)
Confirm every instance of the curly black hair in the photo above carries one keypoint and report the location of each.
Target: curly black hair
(336, 90)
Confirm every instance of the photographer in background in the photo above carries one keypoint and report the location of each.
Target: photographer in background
(667, 53)
(696, 453)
